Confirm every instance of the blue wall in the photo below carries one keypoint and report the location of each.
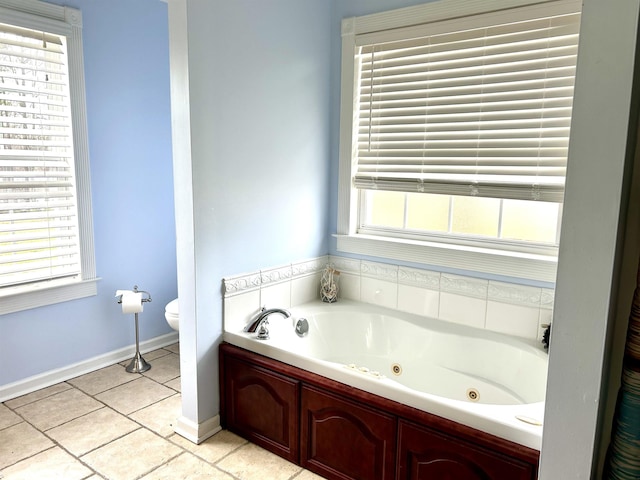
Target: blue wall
(260, 121)
(259, 127)
(128, 106)
(264, 162)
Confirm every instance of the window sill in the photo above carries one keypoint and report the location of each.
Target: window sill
(18, 300)
(539, 268)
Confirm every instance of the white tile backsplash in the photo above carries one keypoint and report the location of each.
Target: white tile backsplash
(349, 286)
(514, 294)
(419, 301)
(467, 286)
(462, 309)
(239, 309)
(546, 298)
(305, 289)
(307, 267)
(277, 295)
(419, 278)
(544, 319)
(379, 292)
(380, 271)
(346, 265)
(240, 284)
(499, 306)
(517, 320)
(275, 275)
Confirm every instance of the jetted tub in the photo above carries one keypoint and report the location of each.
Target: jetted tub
(489, 381)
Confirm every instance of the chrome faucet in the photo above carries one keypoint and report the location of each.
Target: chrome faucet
(260, 322)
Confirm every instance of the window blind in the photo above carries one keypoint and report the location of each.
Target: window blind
(38, 212)
(479, 106)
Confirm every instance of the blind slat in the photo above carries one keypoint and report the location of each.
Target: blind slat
(36, 205)
(26, 33)
(56, 227)
(41, 270)
(38, 257)
(53, 244)
(38, 211)
(477, 111)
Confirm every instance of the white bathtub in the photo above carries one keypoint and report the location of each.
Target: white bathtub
(488, 381)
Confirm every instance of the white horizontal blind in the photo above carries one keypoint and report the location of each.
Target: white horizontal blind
(38, 213)
(478, 106)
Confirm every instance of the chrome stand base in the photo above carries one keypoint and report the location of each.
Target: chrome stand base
(137, 364)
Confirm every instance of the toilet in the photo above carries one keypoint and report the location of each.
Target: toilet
(171, 314)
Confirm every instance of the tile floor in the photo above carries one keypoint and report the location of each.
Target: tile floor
(110, 424)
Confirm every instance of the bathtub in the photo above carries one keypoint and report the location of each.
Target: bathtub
(489, 381)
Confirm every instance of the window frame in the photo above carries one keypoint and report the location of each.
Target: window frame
(64, 21)
(487, 258)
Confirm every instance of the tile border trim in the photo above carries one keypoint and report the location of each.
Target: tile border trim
(510, 293)
(242, 283)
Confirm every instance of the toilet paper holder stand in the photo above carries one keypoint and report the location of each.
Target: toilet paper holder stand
(138, 364)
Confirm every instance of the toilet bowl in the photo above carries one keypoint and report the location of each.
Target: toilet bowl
(171, 314)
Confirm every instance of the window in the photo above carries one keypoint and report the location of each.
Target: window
(455, 134)
(46, 239)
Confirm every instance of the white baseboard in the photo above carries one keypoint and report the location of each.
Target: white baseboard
(198, 433)
(46, 379)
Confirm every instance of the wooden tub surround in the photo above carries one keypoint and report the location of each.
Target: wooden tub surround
(341, 432)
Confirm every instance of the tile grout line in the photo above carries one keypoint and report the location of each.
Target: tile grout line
(69, 387)
(104, 405)
(78, 457)
(55, 442)
(139, 426)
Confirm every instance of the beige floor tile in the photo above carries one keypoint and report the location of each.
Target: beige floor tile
(187, 467)
(307, 475)
(160, 417)
(164, 368)
(153, 354)
(175, 348)
(148, 356)
(91, 431)
(58, 409)
(213, 448)
(54, 463)
(250, 462)
(7, 417)
(131, 456)
(175, 384)
(19, 442)
(135, 395)
(37, 395)
(103, 379)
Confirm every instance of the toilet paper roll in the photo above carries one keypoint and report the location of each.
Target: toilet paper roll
(131, 301)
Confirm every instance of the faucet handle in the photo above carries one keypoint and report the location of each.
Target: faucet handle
(263, 331)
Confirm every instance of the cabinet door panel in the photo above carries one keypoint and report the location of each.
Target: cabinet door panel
(425, 454)
(343, 440)
(262, 406)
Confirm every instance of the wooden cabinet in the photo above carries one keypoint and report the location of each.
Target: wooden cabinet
(262, 406)
(425, 454)
(343, 433)
(343, 440)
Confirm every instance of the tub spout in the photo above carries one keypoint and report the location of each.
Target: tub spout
(260, 322)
